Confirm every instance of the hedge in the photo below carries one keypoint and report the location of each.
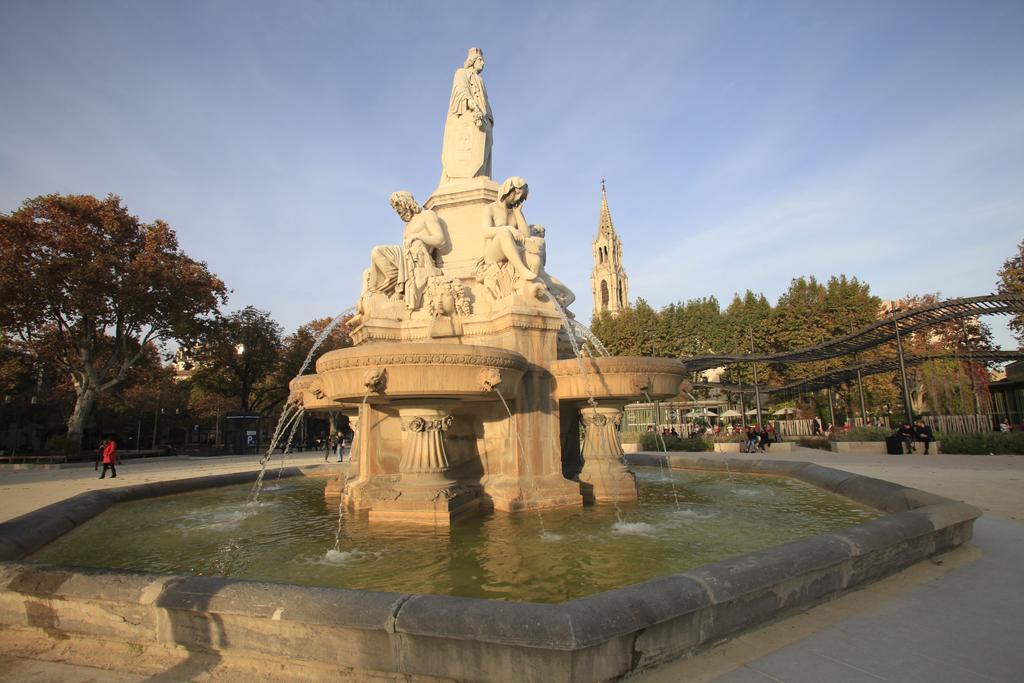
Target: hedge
(982, 443)
(651, 441)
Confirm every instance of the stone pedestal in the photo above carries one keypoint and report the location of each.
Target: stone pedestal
(605, 478)
(460, 206)
(423, 493)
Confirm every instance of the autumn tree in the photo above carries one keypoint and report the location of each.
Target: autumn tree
(87, 284)
(236, 357)
(1011, 281)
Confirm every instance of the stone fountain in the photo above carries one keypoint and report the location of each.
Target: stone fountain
(464, 384)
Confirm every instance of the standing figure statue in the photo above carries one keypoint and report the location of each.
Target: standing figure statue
(468, 128)
(403, 270)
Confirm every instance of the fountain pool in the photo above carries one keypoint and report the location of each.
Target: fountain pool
(571, 553)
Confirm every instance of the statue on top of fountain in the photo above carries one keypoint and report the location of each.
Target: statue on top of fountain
(468, 127)
(402, 271)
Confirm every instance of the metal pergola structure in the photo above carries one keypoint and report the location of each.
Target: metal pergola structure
(876, 334)
(849, 373)
(882, 332)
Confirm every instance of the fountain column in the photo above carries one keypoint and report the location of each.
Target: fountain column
(605, 477)
(424, 492)
(423, 454)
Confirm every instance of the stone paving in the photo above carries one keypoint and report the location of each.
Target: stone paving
(956, 618)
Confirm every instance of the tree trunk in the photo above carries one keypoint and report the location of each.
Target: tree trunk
(83, 409)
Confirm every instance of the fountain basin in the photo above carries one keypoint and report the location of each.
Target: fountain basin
(324, 633)
(381, 373)
(616, 378)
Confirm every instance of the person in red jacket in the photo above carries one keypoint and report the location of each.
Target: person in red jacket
(109, 459)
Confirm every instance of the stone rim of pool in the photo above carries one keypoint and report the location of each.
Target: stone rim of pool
(598, 637)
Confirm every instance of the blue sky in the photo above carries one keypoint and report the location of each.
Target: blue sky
(744, 143)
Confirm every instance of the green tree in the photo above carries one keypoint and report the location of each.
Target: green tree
(86, 284)
(237, 357)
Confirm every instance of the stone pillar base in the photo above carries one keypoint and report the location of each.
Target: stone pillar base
(607, 481)
(545, 492)
(604, 478)
(426, 505)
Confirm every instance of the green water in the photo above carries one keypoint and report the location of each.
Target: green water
(289, 536)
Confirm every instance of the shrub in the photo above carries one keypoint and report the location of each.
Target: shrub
(819, 442)
(982, 443)
(650, 441)
(861, 434)
(61, 444)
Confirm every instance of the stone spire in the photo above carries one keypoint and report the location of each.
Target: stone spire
(608, 281)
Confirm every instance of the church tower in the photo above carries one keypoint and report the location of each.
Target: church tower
(608, 281)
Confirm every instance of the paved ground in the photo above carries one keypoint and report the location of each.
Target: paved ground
(959, 617)
(956, 618)
(25, 490)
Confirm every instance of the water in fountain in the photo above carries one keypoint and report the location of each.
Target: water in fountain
(286, 412)
(567, 326)
(334, 553)
(661, 463)
(288, 445)
(290, 426)
(589, 335)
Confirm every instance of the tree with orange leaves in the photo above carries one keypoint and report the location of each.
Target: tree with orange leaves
(87, 286)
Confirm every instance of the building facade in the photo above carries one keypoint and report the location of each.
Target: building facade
(608, 281)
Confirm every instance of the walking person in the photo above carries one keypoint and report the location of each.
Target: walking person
(345, 443)
(816, 426)
(109, 459)
(99, 455)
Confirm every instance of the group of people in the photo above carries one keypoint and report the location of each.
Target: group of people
(758, 438)
(919, 432)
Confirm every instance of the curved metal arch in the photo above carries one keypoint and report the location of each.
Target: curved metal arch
(849, 373)
(878, 333)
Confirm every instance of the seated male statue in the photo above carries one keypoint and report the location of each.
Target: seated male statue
(403, 270)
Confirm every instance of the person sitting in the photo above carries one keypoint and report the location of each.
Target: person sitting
(906, 434)
(923, 433)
